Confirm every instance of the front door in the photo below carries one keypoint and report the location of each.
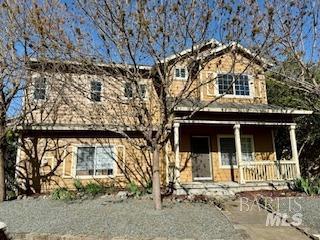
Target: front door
(200, 156)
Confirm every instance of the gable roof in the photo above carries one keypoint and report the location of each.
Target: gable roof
(218, 48)
(212, 42)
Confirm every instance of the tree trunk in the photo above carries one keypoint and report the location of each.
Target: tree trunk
(3, 144)
(2, 176)
(156, 179)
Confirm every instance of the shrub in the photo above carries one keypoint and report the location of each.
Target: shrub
(149, 187)
(62, 194)
(11, 195)
(134, 189)
(308, 186)
(94, 189)
(78, 185)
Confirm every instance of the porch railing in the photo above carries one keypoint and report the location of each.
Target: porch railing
(269, 171)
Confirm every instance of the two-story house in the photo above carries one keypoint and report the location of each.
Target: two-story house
(229, 141)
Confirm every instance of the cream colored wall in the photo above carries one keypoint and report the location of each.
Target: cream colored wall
(69, 94)
(69, 101)
(226, 63)
(127, 152)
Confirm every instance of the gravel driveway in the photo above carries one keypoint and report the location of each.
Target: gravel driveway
(135, 218)
(310, 209)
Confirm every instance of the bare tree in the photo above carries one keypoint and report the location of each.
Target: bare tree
(26, 32)
(291, 32)
(130, 37)
(134, 46)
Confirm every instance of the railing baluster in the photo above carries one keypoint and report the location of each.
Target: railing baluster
(269, 170)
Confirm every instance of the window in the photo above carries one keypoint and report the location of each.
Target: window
(128, 90)
(232, 84)
(40, 88)
(228, 150)
(143, 90)
(242, 85)
(225, 82)
(181, 73)
(93, 161)
(246, 148)
(96, 91)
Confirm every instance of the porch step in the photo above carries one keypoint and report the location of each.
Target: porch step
(226, 188)
(209, 189)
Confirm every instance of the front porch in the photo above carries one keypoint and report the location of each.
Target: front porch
(224, 164)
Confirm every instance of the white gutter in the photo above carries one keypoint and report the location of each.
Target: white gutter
(255, 123)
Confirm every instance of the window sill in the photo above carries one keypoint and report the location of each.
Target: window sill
(129, 99)
(94, 177)
(229, 167)
(180, 79)
(235, 96)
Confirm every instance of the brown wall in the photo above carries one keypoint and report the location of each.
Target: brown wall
(263, 147)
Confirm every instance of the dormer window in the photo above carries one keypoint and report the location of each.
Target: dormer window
(95, 92)
(40, 89)
(181, 73)
(233, 84)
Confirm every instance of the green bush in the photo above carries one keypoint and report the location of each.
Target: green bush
(62, 194)
(94, 189)
(308, 186)
(134, 189)
(11, 195)
(78, 185)
(149, 187)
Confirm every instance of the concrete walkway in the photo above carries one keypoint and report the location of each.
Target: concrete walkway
(251, 220)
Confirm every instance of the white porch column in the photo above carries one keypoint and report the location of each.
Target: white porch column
(237, 139)
(177, 152)
(294, 149)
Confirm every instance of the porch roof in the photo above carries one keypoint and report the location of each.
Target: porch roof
(218, 107)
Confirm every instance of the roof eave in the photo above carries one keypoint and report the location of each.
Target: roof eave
(247, 110)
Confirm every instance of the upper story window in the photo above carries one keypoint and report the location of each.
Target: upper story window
(128, 90)
(40, 89)
(181, 73)
(233, 84)
(96, 87)
(143, 90)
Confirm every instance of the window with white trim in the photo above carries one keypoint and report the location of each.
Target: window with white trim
(181, 73)
(228, 150)
(94, 161)
(95, 92)
(233, 84)
(40, 89)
